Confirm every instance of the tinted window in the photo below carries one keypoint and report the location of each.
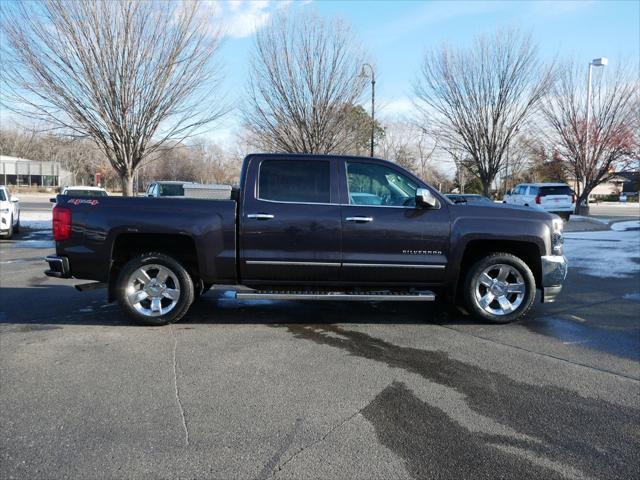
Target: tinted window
(307, 181)
(171, 190)
(562, 190)
(3, 197)
(371, 184)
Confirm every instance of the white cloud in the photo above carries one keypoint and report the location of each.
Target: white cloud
(399, 106)
(242, 18)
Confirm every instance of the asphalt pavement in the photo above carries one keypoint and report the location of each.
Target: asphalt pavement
(259, 390)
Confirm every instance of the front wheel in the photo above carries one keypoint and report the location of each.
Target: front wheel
(499, 288)
(154, 289)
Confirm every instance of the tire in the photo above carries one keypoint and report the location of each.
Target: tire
(161, 297)
(486, 281)
(16, 229)
(10, 232)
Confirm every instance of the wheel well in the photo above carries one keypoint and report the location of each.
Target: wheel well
(528, 252)
(128, 246)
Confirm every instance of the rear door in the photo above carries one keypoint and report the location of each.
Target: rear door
(290, 225)
(385, 238)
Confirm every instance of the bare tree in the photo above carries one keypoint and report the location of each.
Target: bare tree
(302, 85)
(474, 100)
(611, 141)
(129, 75)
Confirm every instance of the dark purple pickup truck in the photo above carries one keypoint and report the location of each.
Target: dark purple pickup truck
(311, 227)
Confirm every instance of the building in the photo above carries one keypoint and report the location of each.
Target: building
(627, 182)
(17, 171)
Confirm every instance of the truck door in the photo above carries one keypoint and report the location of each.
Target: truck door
(290, 221)
(386, 239)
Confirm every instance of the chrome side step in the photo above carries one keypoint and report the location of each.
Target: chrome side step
(422, 296)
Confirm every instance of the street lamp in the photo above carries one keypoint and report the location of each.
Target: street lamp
(363, 74)
(596, 62)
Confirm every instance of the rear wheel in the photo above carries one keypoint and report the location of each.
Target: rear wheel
(154, 289)
(499, 288)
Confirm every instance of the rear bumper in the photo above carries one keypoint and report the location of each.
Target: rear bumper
(58, 267)
(554, 272)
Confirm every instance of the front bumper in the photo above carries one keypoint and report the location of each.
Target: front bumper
(554, 272)
(58, 267)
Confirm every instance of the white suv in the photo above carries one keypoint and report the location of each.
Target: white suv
(555, 198)
(9, 213)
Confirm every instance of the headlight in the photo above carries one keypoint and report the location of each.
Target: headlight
(557, 239)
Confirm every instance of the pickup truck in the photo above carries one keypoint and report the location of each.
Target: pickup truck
(311, 227)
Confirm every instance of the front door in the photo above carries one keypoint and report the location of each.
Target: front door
(386, 239)
(290, 222)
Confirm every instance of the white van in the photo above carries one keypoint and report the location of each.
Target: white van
(555, 198)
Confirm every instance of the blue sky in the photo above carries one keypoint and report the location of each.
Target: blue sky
(395, 35)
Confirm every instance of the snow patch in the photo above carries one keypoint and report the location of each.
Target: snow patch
(624, 226)
(36, 220)
(607, 254)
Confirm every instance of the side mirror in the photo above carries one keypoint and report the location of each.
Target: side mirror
(15, 199)
(425, 198)
(52, 200)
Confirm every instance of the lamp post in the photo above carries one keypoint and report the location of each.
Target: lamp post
(596, 62)
(363, 74)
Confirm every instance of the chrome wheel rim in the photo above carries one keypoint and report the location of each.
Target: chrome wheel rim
(500, 289)
(153, 290)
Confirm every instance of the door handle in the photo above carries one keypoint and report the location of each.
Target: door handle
(359, 219)
(260, 216)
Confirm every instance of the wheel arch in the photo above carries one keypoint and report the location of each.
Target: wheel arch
(129, 245)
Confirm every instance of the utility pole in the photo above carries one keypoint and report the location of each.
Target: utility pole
(363, 74)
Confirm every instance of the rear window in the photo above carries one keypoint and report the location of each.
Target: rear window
(307, 181)
(561, 190)
(86, 193)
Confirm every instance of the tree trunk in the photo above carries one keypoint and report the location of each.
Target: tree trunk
(126, 180)
(580, 208)
(486, 189)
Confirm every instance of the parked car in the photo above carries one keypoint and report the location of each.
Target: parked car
(166, 189)
(295, 231)
(555, 198)
(467, 198)
(9, 213)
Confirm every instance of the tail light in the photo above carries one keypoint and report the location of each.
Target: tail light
(61, 223)
(573, 198)
(538, 198)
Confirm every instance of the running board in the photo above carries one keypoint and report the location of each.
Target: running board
(423, 296)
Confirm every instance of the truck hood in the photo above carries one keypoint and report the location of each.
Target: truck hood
(500, 211)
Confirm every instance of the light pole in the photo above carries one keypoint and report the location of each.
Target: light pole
(596, 62)
(363, 74)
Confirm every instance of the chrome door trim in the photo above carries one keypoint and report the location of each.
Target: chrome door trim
(393, 265)
(359, 219)
(302, 264)
(260, 216)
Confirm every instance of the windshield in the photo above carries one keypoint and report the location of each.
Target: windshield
(85, 193)
(171, 190)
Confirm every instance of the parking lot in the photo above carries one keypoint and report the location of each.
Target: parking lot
(257, 390)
